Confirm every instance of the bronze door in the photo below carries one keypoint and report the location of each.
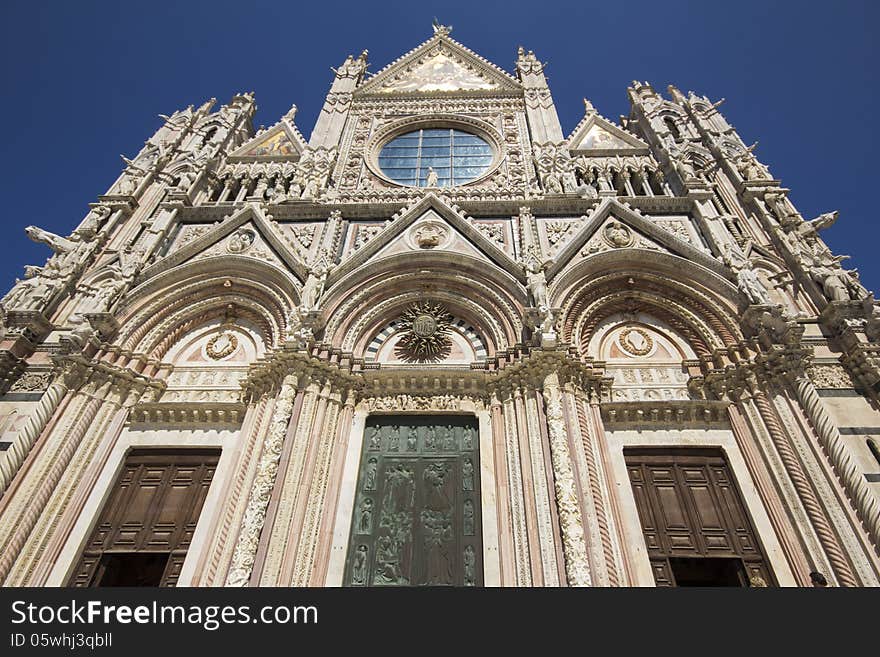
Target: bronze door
(696, 527)
(147, 523)
(416, 517)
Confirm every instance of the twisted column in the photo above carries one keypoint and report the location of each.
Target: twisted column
(13, 458)
(258, 500)
(850, 476)
(801, 483)
(574, 547)
(25, 524)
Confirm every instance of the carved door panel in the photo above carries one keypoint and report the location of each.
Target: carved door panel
(145, 528)
(416, 517)
(695, 523)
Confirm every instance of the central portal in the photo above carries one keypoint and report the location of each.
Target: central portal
(416, 519)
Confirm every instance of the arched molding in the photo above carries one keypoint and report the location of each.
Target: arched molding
(705, 318)
(158, 312)
(490, 299)
(361, 333)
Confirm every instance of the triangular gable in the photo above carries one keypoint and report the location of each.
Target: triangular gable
(250, 214)
(440, 65)
(480, 245)
(596, 135)
(612, 209)
(282, 141)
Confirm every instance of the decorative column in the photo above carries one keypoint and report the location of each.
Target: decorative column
(829, 437)
(815, 512)
(518, 521)
(267, 470)
(19, 520)
(587, 455)
(574, 547)
(12, 459)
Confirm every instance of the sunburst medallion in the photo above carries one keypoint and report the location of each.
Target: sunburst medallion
(425, 328)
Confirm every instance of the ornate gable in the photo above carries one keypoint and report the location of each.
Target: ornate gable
(440, 65)
(614, 225)
(282, 141)
(596, 135)
(428, 224)
(247, 233)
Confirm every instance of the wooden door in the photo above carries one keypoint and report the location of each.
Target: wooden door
(416, 515)
(146, 525)
(696, 526)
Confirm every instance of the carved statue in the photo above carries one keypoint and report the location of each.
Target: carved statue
(55, 242)
(778, 204)
(747, 280)
(431, 180)
(93, 222)
(32, 292)
(552, 183)
(537, 284)
(750, 169)
(107, 290)
(127, 185)
(187, 178)
(314, 286)
(310, 189)
(832, 281)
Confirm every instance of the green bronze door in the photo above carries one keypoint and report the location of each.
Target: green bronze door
(416, 517)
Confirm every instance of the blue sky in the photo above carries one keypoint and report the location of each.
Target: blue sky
(84, 81)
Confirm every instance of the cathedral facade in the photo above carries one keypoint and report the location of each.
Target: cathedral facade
(441, 343)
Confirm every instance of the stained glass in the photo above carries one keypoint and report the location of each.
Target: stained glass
(457, 157)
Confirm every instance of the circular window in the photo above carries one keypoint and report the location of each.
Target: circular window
(435, 157)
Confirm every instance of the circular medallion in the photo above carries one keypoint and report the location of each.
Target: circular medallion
(221, 345)
(617, 235)
(424, 326)
(429, 234)
(241, 240)
(635, 342)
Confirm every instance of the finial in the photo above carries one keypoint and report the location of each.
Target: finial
(442, 30)
(588, 107)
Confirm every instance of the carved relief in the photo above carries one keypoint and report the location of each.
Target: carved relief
(830, 375)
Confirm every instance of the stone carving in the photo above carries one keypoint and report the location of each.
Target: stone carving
(305, 234)
(93, 222)
(429, 234)
(32, 382)
(537, 283)
(830, 375)
(617, 234)
(425, 330)
(635, 342)
(258, 499)
(415, 403)
(573, 543)
(241, 240)
(221, 345)
(557, 230)
(431, 179)
(365, 234)
(314, 286)
(555, 168)
(746, 278)
(493, 231)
